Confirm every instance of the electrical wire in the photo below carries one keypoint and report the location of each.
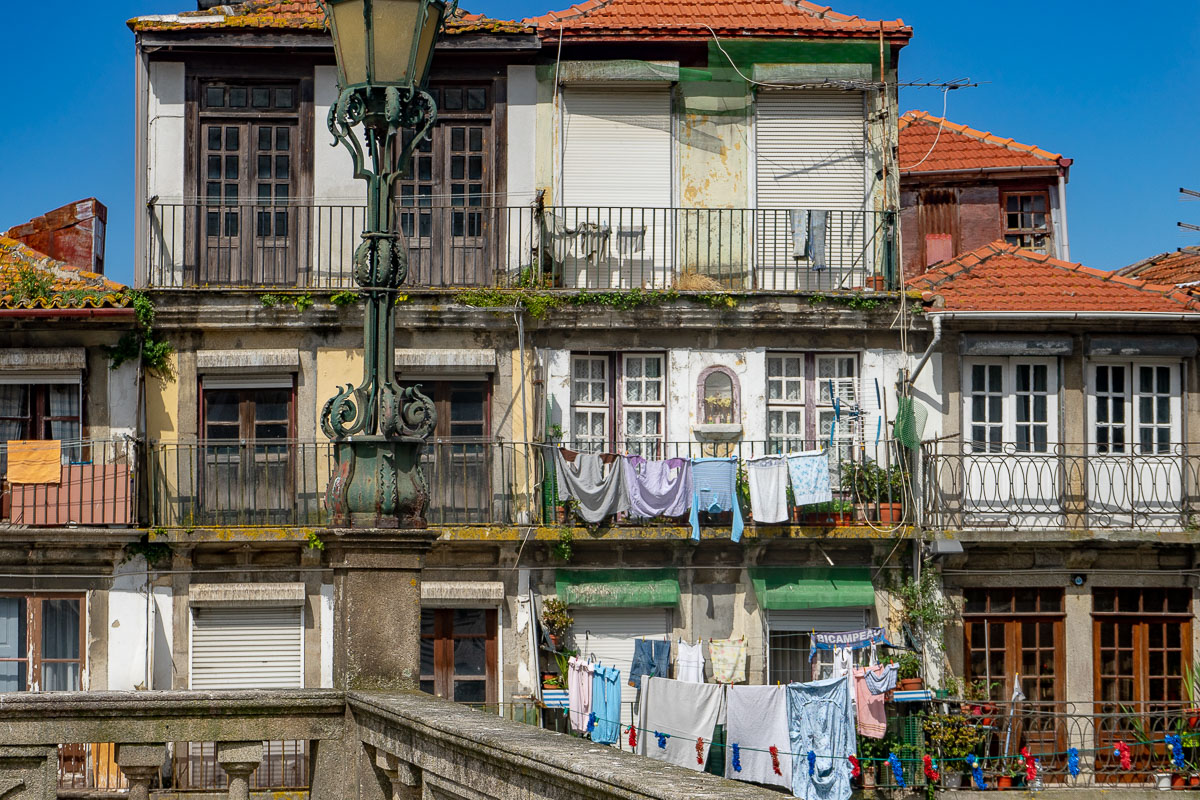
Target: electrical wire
(941, 123)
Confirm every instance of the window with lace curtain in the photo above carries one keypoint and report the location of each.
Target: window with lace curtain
(41, 643)
(40, 411)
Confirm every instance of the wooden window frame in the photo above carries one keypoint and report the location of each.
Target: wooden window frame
(245, 420)
(443, 653)
(606, 406)
(1141, 619)
(622, 405)
(1012, 619)
(785, 406)
(35, 423)
(1027, 233)
(33, 637)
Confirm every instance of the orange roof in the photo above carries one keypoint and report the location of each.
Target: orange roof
(691, 18)
(29, 279)
(1180, 267)
(292, 15)
(1003, 277)
(960, 147)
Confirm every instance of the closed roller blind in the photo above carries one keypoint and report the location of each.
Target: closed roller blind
(822, 620)
(810, 150)
(608, 634)
(617, 147)
(247, 648)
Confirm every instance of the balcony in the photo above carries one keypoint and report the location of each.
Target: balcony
(312, 247)
(86, 483)
(346, 745)
(281, 483)
(1087, 487)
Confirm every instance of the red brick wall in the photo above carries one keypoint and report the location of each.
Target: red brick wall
(73, 234)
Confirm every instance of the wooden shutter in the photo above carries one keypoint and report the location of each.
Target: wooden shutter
(810, 150)
(609, 635)
(249, 647)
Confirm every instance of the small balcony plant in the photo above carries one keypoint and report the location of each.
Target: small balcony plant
(557, 620)
(954, 736)
(909, 673)
(875, 488)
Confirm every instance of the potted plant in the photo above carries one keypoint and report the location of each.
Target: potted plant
(954, 736)
(878, 491)
(835, 512)
(871, 753)
(556, 619)
(1013, 776)
(977, 697)
(908, 676)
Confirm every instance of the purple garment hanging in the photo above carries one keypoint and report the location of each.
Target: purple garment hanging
(658, 488)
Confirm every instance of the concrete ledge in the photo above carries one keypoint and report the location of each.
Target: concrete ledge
(505, 759)
(548, 533)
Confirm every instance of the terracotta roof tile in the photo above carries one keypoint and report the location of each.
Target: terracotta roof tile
(1003, 277)
(1180, 267)
(961, 147)
(293, 15)
(29, 279)
(692, 18)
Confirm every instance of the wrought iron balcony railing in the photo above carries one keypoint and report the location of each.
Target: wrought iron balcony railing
(574, 247)
(1061, 486)
(89, 482)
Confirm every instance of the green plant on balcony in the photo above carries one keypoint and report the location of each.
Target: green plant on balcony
(924, 609)
(868, 482)
(344, 298)
(557, 619)
(908, 666)
(953, 736)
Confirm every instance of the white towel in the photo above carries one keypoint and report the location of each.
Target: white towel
(579, 692)
(768, 488)
(685, 712)
(756, 720)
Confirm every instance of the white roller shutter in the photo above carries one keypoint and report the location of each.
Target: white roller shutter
(247, 647)
(617, 147)
(616, 187)
(810, 150)
(810, 154)
(608, 634)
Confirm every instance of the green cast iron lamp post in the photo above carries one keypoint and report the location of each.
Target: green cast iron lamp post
(384, 49)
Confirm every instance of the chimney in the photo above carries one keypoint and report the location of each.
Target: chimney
(73, 234)
(205, 5)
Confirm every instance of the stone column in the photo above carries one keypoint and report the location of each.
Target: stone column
(140, 763)
(377, 606)
(405, 777)
(239, 759)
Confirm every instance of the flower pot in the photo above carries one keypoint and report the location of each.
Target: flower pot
(910, 684)
(1178, 781)
(891, 513)
(1162, 781)
(868, 779)
(1004, 782)
(554, 639)
(1194, 779)
(875, 283)
(1193, 717)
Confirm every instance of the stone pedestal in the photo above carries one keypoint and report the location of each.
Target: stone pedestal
(377, 606)
(139, 764)
(239, 760)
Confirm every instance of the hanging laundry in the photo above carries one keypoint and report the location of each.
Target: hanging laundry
(579, 693)
(581, 477)
(757, 720)
(650, 658)
(872, 720)
(606, 704)
(728, 660)
(817, 223)
(689, 664)
(799, 222)
(882, 678)
(843, 660)
(810, 477)
(821, 720)
(658, 488)
(768, 488)
(684, 712)
(714, 489)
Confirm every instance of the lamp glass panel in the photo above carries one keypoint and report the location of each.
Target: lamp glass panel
(395, 28)
(350, 40)
(433, 19)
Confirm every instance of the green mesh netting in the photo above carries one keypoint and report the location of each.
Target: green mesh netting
(910, 422)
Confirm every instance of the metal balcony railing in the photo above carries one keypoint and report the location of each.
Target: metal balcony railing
(1057, 486)
(93, 482)
(565, 247)
(281, 482)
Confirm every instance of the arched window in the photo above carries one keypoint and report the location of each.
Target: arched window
(719, 403)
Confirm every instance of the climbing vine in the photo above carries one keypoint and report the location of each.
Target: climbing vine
(155, 553)
(300, 302)
(143, 341)
(539, 303)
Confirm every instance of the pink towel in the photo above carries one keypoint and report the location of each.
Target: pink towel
(872, 722)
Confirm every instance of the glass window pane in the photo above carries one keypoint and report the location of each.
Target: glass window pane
(284, 98)
(282, 168)
(282, 138)
(476, 99)
(452, 99)
(232, 138)
(214, 137)
(214, 96)
(260, 97)
(60, 628)
(237, 97)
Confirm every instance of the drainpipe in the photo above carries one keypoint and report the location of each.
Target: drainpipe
(937, 338)
(1062, 212)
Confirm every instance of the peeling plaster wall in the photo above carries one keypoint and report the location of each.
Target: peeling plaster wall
(129, 613)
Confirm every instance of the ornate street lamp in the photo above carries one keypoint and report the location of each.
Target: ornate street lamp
(384, 48)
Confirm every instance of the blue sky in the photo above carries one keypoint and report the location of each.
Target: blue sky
(1109, 85)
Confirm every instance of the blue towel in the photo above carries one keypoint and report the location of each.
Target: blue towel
(821, 721)
(650, 658)
(714, 489)
(810, 477)
(606, 704)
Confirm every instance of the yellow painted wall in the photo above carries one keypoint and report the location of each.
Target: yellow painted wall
(162, 405)
(336, 366)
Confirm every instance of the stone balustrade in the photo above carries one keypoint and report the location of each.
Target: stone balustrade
(362, 745)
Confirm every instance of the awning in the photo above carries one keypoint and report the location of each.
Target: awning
(617, 588)
(813, 587)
